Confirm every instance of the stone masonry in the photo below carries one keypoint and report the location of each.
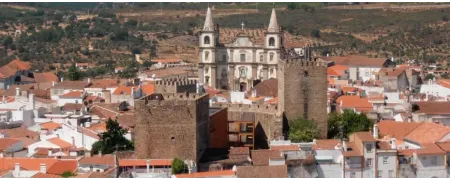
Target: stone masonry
(176, 85)
(302, 89)
(172, 125)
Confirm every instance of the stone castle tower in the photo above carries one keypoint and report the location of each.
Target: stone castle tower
(302, 88)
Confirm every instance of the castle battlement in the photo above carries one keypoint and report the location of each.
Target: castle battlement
(175, 82)
(303, 63)
(174, 99)
(265, 108)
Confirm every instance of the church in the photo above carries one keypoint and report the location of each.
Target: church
(241, 62)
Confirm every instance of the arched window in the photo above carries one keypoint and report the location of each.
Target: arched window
(271, 41)
(206, 41)
(271, 56)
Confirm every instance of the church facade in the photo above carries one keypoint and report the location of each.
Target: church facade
(240, 63)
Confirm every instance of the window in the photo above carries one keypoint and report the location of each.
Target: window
(271, 56)
(385, 160)
(369, 147)
(367, 73)
(206, 41)
(261, 58)
(271, 71)
(206, 69)
(207, 79)
(271, 41)
(433, 160)
(206, 55)
(391, 174)
(224, 58)
(380, 173)
(352, 175)
(306, 73)
(242, 57)
(76, 101)
(369, 162)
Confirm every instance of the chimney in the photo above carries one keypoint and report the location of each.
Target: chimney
(344, 145)
(100, 153)
(62, 79)
(1, 154)
(17, 91)
(393, 143)
(53, 83)
(3, 99)
(375, 131)
(50, 152)
(32, 101)
(89, 80)
(16, 169)
(254, 93)
(328, 55)
(87, 124)
(148, 166)
(43, 168)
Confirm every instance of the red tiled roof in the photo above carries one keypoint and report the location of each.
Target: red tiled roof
(391, 72)
(54, 166)
(427, 133)
(285, 148)
(72, 107)
(336, 70)
(169, 60)
(262, 157)
(356, 61)
(267, 87)
(209, 174)
(50, 125)
(326, 144)
(5, 143)
(148, 89)
(356, 102)
(277, 171)
(124, 90)
(19, 132)
(161, 73)
(365, 136)
(430, 148)
(72, 94)
(444, 82)
(74, 85)
(239, 151)
(88, 132)
(107, 159)
(45, 77)
(42, 175)
(395, 129)
(59, 142)
(444, 145)
(433, 107)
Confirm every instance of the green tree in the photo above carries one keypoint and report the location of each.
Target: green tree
(67, 174)
(315, 33)
(179, 167)
(112, 139)
(73, 73)
(429, 77)
(292, 6)
(8, 41)
(303, 130)
(348, 123)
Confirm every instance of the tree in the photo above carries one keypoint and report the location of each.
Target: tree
(429, 77)
(292, 5)
(315, 33)
(303, 130)
(8, 41)
(347, 123)
(147, 64)
(73, 73)
(112, 139)
(67, 174)
(179, 167)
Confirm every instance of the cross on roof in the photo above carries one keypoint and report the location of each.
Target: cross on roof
(242, 25)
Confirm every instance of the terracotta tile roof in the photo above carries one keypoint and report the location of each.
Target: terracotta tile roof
(98, 127)
(126, 120)
(93, 99)
(336, 70)
(430, 148)
(143, 162)
(239, 151)
(209, 174)
(285, 148)
(406, 152)
(395, 129)
(256, 99)
(277, 171)
(11, 91)
(356, 102)
(272, 101)
(72, 94)
(428, 133)
(444, 82)
(42, 175)
(107, 159)
(365, 136)
(211, 91)
(262, 157)
(5, 143)
(20, 65)
(326, 144)
(354, 152)
(72, 107)
(74, 85)
(105, 83)
(161, 73)
(26, 79)
(356, 61)
(383, 145)
(19, 132)
(267, 87)
(124, 90)
(347, 89)
(391, 72)
(41, 93)
(26, 141)
(103, 112)
(54, 166)
(59, 142)
(148, 89)
(433, 107)
(50, 125)
(45, 77)
(12, 67)
(444, 145)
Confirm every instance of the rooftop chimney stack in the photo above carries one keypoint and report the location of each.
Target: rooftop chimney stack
(43, 168)
(16, 169)
(89, 80)
(148, 165)
(393, 143)
(53, 83)
(50, 152)
(17, 91)
(62, 79)
(32, 101)
(344, 145)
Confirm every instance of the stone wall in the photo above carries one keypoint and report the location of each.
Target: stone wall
(176, 85)
(175, 127)
(302, 90)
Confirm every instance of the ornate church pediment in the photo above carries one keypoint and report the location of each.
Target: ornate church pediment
(242, 41)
